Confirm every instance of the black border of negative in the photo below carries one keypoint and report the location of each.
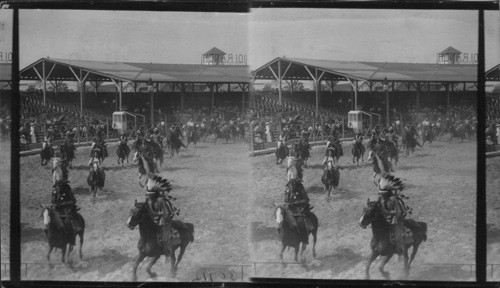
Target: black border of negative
(244, 6)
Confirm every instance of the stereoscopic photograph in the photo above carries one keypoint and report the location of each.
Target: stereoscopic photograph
(365, 151)
(492, 61)
(134, 160)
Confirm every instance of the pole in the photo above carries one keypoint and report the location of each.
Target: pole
(343, 130)
(279, 80)
(387, 107)
(322, 129)
(251, 138)
(120, 95)
(78, 130)
(107, 129)
(314, 129)
(355, 96)
(44, 80)
(87, 130)
(152, 107)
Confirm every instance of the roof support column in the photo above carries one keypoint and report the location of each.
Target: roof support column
(279, 81)
(447, 98)
(316, 81)
(44, 83)
(183, 90)
(418, 97)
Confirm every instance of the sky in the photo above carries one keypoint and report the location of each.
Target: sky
(181, 37)
(129, 36)
(360, 35)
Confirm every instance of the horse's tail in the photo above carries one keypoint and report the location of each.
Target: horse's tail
(191, 231)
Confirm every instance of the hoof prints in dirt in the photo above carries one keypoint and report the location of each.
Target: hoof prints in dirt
(493, 234)
(316, 190)
(262, 233)
(343, 259)
(29, 234)
(81, 191)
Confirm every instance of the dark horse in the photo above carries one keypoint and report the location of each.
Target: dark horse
(358, 151)
(221, 133)
(192, 137)
(174, 143)
(289, 235)
(414, 234)
(458, 132)
(96, 179)
(330, 178)
(46, 153)
(123, 151)
(67, 151)
(59, 239)
(281, 152)
(148, 244)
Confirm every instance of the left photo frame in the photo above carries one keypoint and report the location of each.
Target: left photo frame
(131, 146)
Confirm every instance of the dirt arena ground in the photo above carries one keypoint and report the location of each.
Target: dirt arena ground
(5, 205)
(493, 217)
(440, 180)
(211, 184)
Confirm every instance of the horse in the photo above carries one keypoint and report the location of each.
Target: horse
(240, 129)
(99, 149)
(409, 143)
(221, 133)
(293, 169)
(392, 152)
(148, 243)
(67, 151)
(174, 144)
(155, 150)
(331, 177)
(428, 136)
(379, 166)
(414, 234)
(59, 169)
(281, 152)
(146, 164)
(358, 151)
(289, 235)
(123, 151)
(95, 179)
(59, 239)
(46, 153)
(457, 132)
(192, 137)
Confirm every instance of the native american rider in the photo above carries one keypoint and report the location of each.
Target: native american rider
(379, 146)
(160, 207)
(297, 208)
(63, 208)
(393, 207)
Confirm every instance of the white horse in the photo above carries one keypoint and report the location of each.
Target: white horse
(57, 173)
(291, 168)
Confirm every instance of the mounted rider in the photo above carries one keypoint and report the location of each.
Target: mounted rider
(379, 147)
(297, 208)
(160, 207)
(95, 164)
(63, 208)
(393, 207)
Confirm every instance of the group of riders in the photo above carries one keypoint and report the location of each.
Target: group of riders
(382, 144)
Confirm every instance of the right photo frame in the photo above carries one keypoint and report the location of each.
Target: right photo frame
(492, 64)
(364, 125)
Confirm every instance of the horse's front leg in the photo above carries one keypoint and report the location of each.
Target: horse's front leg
(63, 250)
(407, 263)
(296, 253)
(136, 264)
(48, 254)
(283, 247)
(173, 267)
(150, 265)
(302, 258)
(382, 265)
(369, 263)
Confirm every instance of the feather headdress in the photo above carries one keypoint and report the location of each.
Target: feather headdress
(390, 182)
(156, 183)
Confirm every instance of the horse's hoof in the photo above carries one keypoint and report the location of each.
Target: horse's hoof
(152, 274)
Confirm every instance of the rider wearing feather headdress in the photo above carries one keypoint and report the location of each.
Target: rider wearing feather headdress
(392, 206)
(159, 202)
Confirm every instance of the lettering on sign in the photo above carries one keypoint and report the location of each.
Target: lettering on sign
(227, 59)
(463, 58)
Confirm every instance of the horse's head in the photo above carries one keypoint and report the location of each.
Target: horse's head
(56, 162)
(137, 214)
(370, 212)
(279, 213)
(46, 217)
